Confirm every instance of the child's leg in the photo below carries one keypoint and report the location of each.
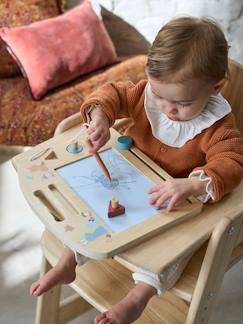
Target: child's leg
(148, 284)
(129, 308)
(62, 273)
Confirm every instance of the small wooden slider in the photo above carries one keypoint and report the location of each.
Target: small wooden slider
(74, 145)
(115, 208)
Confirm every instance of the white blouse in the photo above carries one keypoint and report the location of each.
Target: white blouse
(177, 133)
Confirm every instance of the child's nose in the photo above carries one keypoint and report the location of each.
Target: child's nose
(170, 107)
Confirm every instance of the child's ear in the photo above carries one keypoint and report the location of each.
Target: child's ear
(219, 85)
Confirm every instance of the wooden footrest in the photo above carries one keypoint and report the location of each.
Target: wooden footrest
(104, 283)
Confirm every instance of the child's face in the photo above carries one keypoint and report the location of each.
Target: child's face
(181, 101)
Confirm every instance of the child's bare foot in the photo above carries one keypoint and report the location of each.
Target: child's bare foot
(129, 308)
(62, 273)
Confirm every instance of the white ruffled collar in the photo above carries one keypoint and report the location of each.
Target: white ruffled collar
(177, 133)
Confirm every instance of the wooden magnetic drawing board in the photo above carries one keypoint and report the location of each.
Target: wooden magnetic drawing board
(95, 189)
(70, 194)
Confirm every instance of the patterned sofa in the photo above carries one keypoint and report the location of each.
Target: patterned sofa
(26, 122)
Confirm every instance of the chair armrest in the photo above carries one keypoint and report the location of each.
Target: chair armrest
(120, 125)
(67, 123)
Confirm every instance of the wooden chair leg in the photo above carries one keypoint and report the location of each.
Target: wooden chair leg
(47, 309)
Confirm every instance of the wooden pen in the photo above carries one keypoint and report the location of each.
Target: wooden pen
(100, 162)
(98, 158)
(102, 165)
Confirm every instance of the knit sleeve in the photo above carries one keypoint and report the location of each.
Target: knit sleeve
(223, 149)
(117, 100)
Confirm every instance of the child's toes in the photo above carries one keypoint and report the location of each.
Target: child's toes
(34, 287)
(39, 291)
(37, 288)
(105, 321)
(99, 317)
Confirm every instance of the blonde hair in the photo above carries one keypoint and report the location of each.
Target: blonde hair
(187, 48)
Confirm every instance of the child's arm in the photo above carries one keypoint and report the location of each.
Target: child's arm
(117, 100)
(176, 191)
(223, 147)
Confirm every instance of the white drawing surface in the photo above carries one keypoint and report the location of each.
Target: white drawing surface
(128, 185)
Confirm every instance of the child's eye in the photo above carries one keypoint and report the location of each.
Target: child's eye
(184, 104)
(158, 96)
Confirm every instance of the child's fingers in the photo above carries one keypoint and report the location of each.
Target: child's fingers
(95, 131)
(96, 143)
(95, 135)
(101, 135)
(159, 198)
(172, 203)
(162, 199)
(154, 199)
(157, 194)
(101, 141)
(155, 188)
(94, 148)
(90, 129)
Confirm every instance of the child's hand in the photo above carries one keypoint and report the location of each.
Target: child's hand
(98, 131)
(175, 191)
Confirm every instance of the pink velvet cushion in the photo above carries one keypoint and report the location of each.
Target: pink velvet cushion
(54, 51)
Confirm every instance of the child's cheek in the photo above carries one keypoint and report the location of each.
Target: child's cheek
(159, 104)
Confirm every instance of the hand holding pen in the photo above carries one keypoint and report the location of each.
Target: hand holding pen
(98, 134)
(98, 131)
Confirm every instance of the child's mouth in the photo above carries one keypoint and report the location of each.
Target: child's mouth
(173, 118)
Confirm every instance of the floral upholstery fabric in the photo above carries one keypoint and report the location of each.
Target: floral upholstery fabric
(24, 121)
(19, 13)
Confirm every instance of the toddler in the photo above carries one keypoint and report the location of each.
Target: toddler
(182, 122)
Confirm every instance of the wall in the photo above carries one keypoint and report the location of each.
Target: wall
(147, 16)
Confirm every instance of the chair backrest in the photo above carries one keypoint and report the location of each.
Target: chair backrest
(233, 92)
(226, 235)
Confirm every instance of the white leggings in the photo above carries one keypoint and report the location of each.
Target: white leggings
(161, 282)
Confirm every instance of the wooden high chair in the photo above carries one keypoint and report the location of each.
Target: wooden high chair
(217, 231)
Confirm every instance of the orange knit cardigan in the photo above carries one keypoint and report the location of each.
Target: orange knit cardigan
(217, 150)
